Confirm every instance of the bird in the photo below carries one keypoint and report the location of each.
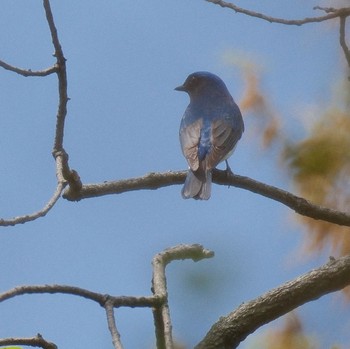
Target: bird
(209, 131)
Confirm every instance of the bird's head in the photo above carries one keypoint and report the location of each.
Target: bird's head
(203, 84)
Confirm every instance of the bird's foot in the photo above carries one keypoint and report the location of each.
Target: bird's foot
(228, 171)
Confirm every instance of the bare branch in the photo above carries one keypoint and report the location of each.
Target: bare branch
(112, 325)
(159, 180)
(229, 331)
(121, 301)
(41, 213)
(62, 79)
(161, 314)
(332, 13)
(70, 176)
(61, 184)
(158, 301)
(232, 329)
(326, 9)
(28, 72)
(342, 39)
(37, 341)
(63, 173)
(307, 20)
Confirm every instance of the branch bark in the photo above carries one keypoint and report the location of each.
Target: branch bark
(232, 329)
(159, 180)
(161, 314)
(37, 341)
(28, 72)
(342, 39)
(112, 325)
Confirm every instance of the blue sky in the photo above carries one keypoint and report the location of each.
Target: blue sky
(124, 60)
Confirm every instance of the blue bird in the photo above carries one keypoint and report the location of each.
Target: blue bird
(210, 129)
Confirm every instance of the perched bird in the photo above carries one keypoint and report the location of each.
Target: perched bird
(210, 129)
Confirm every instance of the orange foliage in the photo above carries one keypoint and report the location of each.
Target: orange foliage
(320, 166)
(254, 101)
(290, 336)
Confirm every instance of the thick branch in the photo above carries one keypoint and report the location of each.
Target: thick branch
(159, 180)
(335, 13)
(229, 331)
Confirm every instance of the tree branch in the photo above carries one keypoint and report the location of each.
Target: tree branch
(336, 13)
(342, 39)
(332, 13)
(58, 151)
(41, 213)
(158, 302)
(61, 184)
(62, 79)
(28, 72)
(161, 314)
(159, 180)
(63, 173)
(112, 325)
(37, 341)
(232, 329)
(101, 299)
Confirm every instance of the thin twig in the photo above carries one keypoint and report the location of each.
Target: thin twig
(28, 72)
(326, 9)
(307, 20)
(159, 180)
(118, 301)
(61, 184)
(332, 13)
(161, 314)
(37, 341)
(112, 325)
(232, 329)
(41, 213)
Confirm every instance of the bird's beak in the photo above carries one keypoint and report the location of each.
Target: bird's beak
(181, 88)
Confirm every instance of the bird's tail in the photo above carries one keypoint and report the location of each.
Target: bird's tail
(197, 185)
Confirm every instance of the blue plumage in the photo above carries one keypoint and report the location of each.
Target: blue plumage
(210, 129)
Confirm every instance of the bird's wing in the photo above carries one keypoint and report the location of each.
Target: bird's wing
(189, 139)
(224, 136)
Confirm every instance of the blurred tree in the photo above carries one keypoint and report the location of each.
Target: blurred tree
(320, 168)
(289, 336)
